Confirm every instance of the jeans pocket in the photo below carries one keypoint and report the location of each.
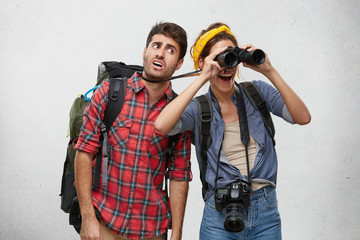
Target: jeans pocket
(270, 200)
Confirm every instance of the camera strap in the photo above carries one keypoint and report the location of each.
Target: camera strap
(189, 74)
(244, 131)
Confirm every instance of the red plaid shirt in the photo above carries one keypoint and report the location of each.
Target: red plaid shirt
(134, 201)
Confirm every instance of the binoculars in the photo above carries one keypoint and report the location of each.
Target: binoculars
(233, 56)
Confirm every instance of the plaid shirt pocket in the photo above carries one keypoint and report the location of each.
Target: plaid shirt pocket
(120, 132)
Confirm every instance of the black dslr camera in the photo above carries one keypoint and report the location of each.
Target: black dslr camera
(233, 56)
(235, 198)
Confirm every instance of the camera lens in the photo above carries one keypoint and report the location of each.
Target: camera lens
(234, 221)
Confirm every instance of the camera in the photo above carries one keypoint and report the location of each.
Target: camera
(235, 198)
(233, 56)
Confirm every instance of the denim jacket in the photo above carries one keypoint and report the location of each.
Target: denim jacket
(265, 165)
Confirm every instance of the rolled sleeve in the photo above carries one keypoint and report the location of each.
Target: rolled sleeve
(287, 116)
(180, 165)
(89, 138)
(274, 100)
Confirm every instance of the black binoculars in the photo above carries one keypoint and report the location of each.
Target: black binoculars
(233, 56)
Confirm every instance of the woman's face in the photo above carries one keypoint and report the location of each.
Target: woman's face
(224, 82)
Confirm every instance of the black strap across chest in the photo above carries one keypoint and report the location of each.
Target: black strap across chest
(205, 117)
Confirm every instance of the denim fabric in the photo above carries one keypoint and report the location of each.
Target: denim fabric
(262, 219)
(265, 165)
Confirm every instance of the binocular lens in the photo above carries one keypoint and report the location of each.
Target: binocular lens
(258, 56)
(233, 56)
(227, 59)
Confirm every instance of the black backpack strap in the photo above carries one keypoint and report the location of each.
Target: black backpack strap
(113, 69)
(205, 117)
(169, 153)
(172, 141)
(116, 98)
(256, 99)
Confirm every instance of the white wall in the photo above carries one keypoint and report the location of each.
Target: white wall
(49, 51)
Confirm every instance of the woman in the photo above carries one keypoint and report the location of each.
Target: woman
(226, 156)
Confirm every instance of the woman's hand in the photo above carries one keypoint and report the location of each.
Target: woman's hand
(263, 68)
(210, 67)
(298, 110)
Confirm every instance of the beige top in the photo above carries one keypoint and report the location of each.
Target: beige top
(234, 150)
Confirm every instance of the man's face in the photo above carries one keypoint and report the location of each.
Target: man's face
(161, 58)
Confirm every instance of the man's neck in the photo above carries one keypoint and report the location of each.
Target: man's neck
(155, 90)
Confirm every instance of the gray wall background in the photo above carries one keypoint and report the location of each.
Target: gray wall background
(49, 52)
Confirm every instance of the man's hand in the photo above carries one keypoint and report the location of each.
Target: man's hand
(90, 229)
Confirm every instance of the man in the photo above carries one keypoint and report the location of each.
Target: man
(133, 205)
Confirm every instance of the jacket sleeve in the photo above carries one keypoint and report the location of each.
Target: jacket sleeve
(274, 100)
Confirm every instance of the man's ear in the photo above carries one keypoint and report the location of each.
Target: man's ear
(143, 55)
(179, 64)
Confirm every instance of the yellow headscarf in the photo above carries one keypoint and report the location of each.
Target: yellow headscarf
(200, 44)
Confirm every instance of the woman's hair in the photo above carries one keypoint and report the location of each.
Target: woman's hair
(171, 30)
(218, 37)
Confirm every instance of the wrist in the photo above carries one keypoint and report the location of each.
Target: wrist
(270, 73)
(175, 235)
(88, 214)
(202, 79)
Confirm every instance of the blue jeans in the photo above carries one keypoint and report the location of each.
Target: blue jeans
(262, 219)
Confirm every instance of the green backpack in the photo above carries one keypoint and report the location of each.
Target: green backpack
(118, 73)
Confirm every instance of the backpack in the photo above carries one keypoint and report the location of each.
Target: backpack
(118, 73)
(205, 117)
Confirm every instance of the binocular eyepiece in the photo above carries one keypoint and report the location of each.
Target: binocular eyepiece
(233, 56)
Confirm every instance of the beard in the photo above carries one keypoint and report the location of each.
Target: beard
(151, 72)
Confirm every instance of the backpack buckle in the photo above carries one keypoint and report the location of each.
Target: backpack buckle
(206, 117)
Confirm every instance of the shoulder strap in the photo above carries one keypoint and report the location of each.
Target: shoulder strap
(205, 117)
(116, 98)
(169, 153)
(116, 95)
(172, 141)
(256, 99)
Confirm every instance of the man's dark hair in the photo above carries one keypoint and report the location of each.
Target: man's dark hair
(173, 31)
